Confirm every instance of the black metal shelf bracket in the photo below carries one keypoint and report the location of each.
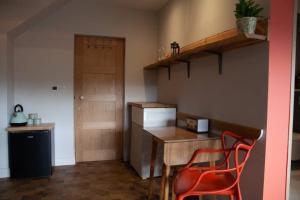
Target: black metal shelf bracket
(220, 59)
(188, 66)
(169, 72)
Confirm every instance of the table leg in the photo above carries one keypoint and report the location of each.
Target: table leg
(152, 168)
(162, 185)
(164, 190)
(173, 193)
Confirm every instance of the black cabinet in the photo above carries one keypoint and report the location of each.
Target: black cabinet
(30, 154)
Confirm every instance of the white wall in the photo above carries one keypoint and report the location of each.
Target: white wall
(239, 95)
(44, 58)
(13, 15)
(187, 21)
(3, 108)
(6, 98)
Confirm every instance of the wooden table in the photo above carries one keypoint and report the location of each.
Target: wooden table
(178, 147)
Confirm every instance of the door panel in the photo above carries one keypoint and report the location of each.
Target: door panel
(99, 72)
(99, 87)
(99, 144)
(94, 111)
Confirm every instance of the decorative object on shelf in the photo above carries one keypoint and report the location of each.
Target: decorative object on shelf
(246, 13)
(161, 53)
(175, 48)
(18, 118)
(213, 45)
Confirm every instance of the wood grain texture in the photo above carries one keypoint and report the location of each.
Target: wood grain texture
(222, 42)
(178, 148)
(217, 126)
(151, 105)
(174, 134)
(152, 168)
(181, 152)
(99, 88)
(165, 183)
(107, 180)
(43, 126)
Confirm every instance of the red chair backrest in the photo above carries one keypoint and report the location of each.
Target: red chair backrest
(241, 147)
(236, 153)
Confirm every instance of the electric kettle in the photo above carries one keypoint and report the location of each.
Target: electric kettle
(18, 118)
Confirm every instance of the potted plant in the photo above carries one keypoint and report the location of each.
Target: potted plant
(246, 13)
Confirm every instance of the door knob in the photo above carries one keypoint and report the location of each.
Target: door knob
(81, 97)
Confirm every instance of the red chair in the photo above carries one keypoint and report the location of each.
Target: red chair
(222, 179)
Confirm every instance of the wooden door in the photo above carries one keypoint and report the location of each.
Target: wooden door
(99, 86)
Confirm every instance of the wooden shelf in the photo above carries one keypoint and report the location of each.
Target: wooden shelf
(214, 45)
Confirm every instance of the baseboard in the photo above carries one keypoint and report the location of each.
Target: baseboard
(4, 172)
(64, 161)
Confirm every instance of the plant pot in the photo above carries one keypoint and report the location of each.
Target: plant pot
(246, 24)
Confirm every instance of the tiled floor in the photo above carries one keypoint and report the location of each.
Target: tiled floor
(112, 180)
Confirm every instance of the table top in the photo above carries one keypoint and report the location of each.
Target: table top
(175, 134)
(43, 126)
(151, 105)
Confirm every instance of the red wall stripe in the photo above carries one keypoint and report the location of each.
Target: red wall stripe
(279, 88)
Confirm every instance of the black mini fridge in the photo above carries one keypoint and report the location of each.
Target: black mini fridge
(30, 154)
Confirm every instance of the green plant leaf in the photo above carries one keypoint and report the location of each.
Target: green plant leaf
(247, 8)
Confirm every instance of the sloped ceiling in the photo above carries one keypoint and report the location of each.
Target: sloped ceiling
(17, 13)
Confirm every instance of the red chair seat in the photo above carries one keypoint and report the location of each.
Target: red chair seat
(186, 179)
(216, 180)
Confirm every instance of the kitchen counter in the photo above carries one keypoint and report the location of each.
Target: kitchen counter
(151, 105)
(43, 126)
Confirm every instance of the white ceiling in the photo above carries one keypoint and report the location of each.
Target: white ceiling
(151, 5)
